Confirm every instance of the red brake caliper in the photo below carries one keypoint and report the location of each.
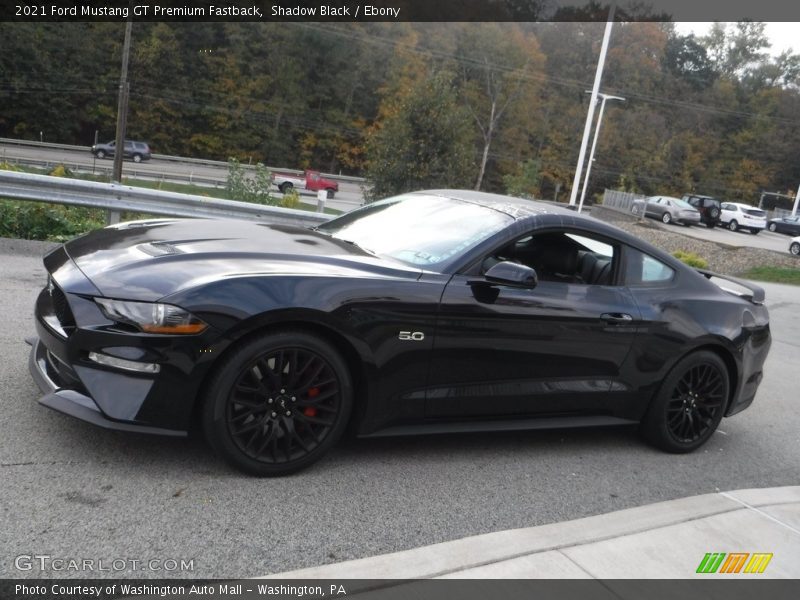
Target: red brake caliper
(310, 411)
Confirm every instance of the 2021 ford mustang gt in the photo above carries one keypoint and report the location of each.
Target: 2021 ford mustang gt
(430, 312)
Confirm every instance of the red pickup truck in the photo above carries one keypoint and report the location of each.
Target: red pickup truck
(310, 180)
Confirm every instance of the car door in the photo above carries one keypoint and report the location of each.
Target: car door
(727, 212)
(555, 349)
(653, 207)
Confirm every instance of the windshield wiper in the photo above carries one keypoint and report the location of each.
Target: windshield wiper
(357, 245)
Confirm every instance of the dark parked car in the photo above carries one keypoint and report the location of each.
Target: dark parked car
(136, 151)
(708, 207)
(440, 311)
(788, 225)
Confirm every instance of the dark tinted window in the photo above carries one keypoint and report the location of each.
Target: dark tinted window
(643, 269)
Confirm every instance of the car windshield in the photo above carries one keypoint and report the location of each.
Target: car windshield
(418, 229)
(683, 204)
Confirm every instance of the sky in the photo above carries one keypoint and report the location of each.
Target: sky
(784, 36)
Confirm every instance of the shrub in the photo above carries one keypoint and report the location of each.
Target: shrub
(691, 259)
(40, 221)
(291, 199)
(61, 171)
(241, 187)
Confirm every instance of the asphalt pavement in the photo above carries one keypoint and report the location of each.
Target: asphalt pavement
(74, 491)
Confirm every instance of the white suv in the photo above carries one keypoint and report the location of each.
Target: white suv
(736, 216)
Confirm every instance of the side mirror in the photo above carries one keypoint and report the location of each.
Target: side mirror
(514, 274)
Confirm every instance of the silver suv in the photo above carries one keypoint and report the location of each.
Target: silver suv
(136, 151)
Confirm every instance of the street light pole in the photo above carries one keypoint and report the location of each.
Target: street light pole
(796, 200)
(587, 128)
(594, 144)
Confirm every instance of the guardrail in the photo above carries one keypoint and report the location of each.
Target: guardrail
(179, 159)
(117, 198)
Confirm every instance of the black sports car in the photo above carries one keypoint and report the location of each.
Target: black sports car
(789, 225)
(435, 311)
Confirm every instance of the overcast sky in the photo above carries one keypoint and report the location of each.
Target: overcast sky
(783, 36)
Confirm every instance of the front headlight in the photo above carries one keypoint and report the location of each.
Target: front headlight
(151, 317)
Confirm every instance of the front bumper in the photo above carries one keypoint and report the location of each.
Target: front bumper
(44, 368)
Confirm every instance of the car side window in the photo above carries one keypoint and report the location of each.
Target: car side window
(562, 256)
(643, 269)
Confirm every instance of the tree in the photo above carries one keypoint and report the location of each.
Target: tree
(496, 68)
(423, 143)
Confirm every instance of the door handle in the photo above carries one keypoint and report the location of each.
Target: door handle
(616, 318)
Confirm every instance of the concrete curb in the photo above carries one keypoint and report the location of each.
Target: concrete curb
(482, 554)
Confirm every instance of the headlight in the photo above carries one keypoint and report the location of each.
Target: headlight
(151, 317)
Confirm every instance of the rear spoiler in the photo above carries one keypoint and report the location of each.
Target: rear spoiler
(756, 297)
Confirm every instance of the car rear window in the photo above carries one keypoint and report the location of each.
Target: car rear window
(755, 212)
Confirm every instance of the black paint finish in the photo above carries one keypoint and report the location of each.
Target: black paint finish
(477, 351)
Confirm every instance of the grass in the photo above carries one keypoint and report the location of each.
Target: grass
(774, 274)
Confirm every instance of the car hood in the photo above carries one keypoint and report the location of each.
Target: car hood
(148, 260)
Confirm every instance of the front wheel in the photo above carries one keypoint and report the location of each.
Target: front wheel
(278, 403)
(710, 224)
(100, 154)
(795, 248)
(689, 405)
(733, 225)
(285, 188)
(773, 227)
(666, 218)
(330, 193)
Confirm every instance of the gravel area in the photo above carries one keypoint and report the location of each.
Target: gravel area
(724, 259)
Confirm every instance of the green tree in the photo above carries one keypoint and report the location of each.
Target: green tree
(423, 143)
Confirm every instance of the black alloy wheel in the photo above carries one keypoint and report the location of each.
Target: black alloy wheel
(278, 403)
(690, 404)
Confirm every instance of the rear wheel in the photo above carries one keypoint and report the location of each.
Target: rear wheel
(689, 405)
(795, 248)
(331, 193)
(666, 217)
(733, 225)
(285, 187)
(754, 231)
(278, 403)
(711, 224)
(100, 154)
(137, 158)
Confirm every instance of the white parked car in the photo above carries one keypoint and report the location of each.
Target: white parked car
(794, 246)
(736, 216)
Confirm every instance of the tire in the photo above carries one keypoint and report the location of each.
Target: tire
(711, 224)
(714, 212)
(331, 194)
(267, 419)
(285, 187)
(137, 158)
(773, 227)
(754, 231)
(684, 414)
(100, 154)
(733, 225)
(635, 210)
(795, 248)
(666, 218)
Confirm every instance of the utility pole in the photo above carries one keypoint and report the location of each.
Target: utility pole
(598, 75)
(122, 106)
(594, 144)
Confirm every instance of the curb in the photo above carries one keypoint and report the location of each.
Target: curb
(448, 558)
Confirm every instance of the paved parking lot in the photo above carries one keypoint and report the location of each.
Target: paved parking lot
(74, 491)
(743, 239)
